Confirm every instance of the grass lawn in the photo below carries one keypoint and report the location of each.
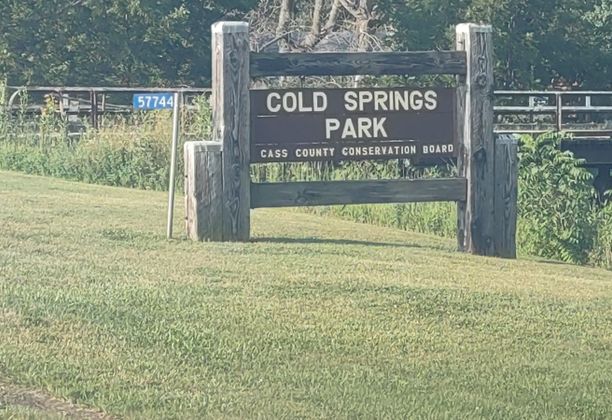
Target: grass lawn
(314, 318)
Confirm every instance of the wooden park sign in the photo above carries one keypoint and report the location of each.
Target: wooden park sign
(299, 125)
(418, 123)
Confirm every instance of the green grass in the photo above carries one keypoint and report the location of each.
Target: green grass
(316, 317)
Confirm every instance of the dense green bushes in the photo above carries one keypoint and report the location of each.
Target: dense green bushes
(556, 202)
(558, 214)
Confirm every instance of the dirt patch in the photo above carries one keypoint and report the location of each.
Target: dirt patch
(13, 395)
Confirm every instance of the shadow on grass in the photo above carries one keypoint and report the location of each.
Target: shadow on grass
(540, 260)
(328, 241)
(572, 265)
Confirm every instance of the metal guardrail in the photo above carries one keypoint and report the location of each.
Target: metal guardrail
(64, 92)
(533, 112)
(95, 103)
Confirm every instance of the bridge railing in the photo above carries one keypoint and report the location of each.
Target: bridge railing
(522, 112)
(533, 112)
(87, 101)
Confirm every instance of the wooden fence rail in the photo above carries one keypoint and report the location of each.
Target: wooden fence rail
(326, 193)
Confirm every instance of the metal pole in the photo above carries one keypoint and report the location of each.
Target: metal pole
(559, 100)
(175, 137)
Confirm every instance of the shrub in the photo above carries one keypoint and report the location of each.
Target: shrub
(556, 202)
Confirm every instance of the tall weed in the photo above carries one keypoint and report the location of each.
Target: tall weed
(128, 151)
(601, 252)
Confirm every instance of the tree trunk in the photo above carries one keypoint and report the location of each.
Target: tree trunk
(284, 18)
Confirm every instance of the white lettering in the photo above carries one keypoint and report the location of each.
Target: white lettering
(349, 129)
(416, 100)
(301, 106)
(364, 125)
(401, 101)
(365, 97)
(437, 148)
(319, 101)
(331, 124)
(289, 102)
(273, 153)
(273, 108)
(380, 97)
(378, 150)
(350, 100)
(431, 100)
(379, 129)
(392, 100)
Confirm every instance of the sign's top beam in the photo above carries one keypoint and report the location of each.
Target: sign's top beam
(410, 63)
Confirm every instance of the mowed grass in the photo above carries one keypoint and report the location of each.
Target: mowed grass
(314, 318)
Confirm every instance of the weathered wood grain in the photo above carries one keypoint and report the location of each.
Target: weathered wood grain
(230, 104)
(343, 64)
(476, 158)
(94, 110)
(461, 156)
(506, 195)
(322, 193)
(203, 191)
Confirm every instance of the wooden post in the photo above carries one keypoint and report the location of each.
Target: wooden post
(475, 131)
(230, 95)
(94, 109)
(203, 191)
(506, 195)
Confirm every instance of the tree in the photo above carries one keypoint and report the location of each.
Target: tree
(537, 42)
(303, 25)
(116, 42)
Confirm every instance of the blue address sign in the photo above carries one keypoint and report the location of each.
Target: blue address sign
(153, 101)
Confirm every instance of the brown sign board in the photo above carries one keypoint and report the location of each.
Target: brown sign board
(295, 125)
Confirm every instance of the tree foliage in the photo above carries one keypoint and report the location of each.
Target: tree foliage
(538, 43)
(128, 42)
(117, 42)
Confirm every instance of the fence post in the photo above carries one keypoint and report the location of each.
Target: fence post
(559, 113)
(506, 195)
(475, 227)
(231, 119)
(203, 191)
